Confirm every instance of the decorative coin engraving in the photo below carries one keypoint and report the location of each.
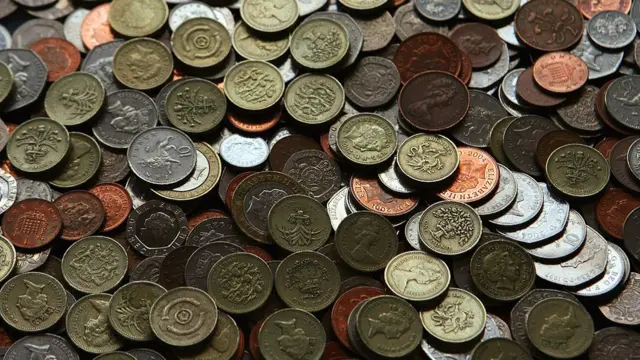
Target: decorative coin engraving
(97, 331)
(127, 119)
(163, 155)
(306, 275)
(322, 44)
(133, 312)
(34, 304)
(293, 340)
(421, 274)
(180, 312)
(314, 98)
(427, 157)
(255, 85)
(190, 106)
(453, 224)
(299, 233)
(37, 141)
(241, 283)
(21, 77)
(95, 263)
(80, 101)
(451, 318)
(391, 324)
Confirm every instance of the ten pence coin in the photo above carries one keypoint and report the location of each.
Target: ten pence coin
(477, 176)
(31, 223)
(143, 63)
(427, 158)
(278, 334)
(450, 228)
(319, 43)
(74, 98)
(437, 320)
(578, 170)
(254, 85)
(269, 16)
(498, 347)
(298, 222)
(367, 139)
(417, 276)
(38, 145)
(201, 42)
(130, 307)
(301, 102)
(94, 264)
(81, 163)
(136, 18)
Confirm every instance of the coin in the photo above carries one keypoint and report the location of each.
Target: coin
(74, 98)
(254, 46)
(569, 242)
(484, 112)
(371, 196)
(172, 268)
(316, 172)
(60, 56)
(481, 43)
(188, 10)
(374, 82)
(614, 274)
(94, 264)
(520, 141)
(8, 191)
(612, 209)
(377, 30)
(533, 94)
(298, 222)
(195, 106)
(223, 343)
(269, 16)
(203, 259)
(496, 139)
(132, 18)
(244, 152)
(130, 306)
(491, 11)
(240, 283)
(504, 196)
(367, 139)
(362, 5)
(286, 147)
(427, 158)
(95, 29)
(551, 141)
(319, 43)
(147, 270)
(417, 276)
(528, 30)
(442, 54)
(502, 326)
(345, 305)
(6, 81)
(545, 72)
(438, 12)
(72, 27)
(548, 312)
(450, 228)
(82, 214)
(117, 204)
(156, 227)
(435, 320)
(527, 205)
(477, 176)
(620, 169)
(33, 30)
(243, 89)
(577, 180)
(211, 230)
(497, 347)
(81, 163)
(299, 98)
(49, 344)
(31, 223)
(201, 42)
(618, 96)
(392, 179)
(30, 76)
(32, 302)
(617, 37)
(611, 342)
(145, 354)
(142, 63)
(115, 355)
(9, 261)
(289, 325)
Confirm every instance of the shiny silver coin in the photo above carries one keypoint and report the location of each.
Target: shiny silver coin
(527, 205)
(488, 77)
(504, 196)
(412, 231)
(72, 25)
(568, 243)
(33, 189)
(614, 275)
(600, 63)
(187, 11)
(611, 29)
(8, 191)
(392, 179)
(5, 38)
(244, 152)
(337, 207)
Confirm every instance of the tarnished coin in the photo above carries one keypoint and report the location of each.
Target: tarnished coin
(436, 320)
(437, 11)
(156, 227)
(291, 323)
(32, 302)
(579, 113)
(211, 230)
(94, 264)
(503, 197)
(133, 18)
(202, 260)
(301, 102)
(417, 276)
(586, 265)
(130, 308)
(201, 42)
(571, 344)
(527, 205)
(484, 112)
(46, 344)
(533, 94)
(551, 141)
(633, 158)
(488, 77)
(528, 32)
(38, 145)
(521, 139)
(6, 81)
(613, 343)
(240, 283)
(8, 259)
(115, 355)
(393, 180)
(183, 316)
(254, 85)
(491, 348)
(479, 41)
(195, 106)
(319, 43)
(569, 242)
(618, 100)
(172, 268)
(223, 344)
(81, 163)
(298, 222)
(620, 168)
(269, 16)
(428, 158)
(29, 74)
(318, 173)
(367, 139)
(600, 63)
(252, 46)
(612, 209)
(147, 270)
(142, 63)
(117, 204)
(31, 223)
(620, 309)
(74, 98)
(377, 30)
(286, 147)
(614, 275)
(450, 228)
(33, 30)
(492, 11)
(145, 354)
(477, 176)
(374, 82)
(577, 170)
(82, 214)
(490, 332)
(502, 270)
(601, 31)
(8, 191)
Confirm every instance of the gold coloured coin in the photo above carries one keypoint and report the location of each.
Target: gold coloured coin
(450, 228)
(88, 325)
(319, 43)
(428, 158)
(253, 46)
(254, 85)
(362, 5)
(201, 42)
(137, 18)
(143, 64)
(74, 98)
(314, 98)
(491, 10)
(367, 139)
(417, 276)
(445, 322)
(269, 16)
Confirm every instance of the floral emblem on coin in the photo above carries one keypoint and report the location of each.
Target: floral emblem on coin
(37, 141)
(426, 157)
(609, 27)
(191, 105)
(255, 85)
(322, 46)
(33, 304)
(624, 307)
(299, 233)
(97, 331)
(80, 101)
(314, 98)
(293, 340)
(578, 167)
(453, 223)
(95, 263)
(128, 119)
(241, 282)
(451, 318)
(133, 312)
(392, 324)
(306, 276)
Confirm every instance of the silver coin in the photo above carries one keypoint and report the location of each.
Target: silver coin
(156, 228)
(613, 275)
(5, 38)
(333, 132)
(306, 7)
(72, 26)
(145, 354)
(485, 78)
(33, 30)
(438, 10)
(508, 34)
(99, 62)
(162, 156)
(600, 63)
(337, 207)
(551, 221)
(199, 175)
(356, 37)
(127, 113)
(8, 191)
(504, 196)
(244, 152)
(408, 22)
(26, 262)
(288, 69)
(187, 11)
(589, 263)
(29, 77)
(391, 178)
(569, 242)
(509, 87)
(219, 138)
(633, 158)
(4, 135)
(37, 346)
(490, 331)
(412, 231)
(611, 29)
(33, 189)
(281, 133)
(225, 17)
(55, 194)
(503, 327)
(390, 112)
(527, 205)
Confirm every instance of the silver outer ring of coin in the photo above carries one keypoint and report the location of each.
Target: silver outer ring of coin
(337, 207)
(241, 160)
(9, 198)
(571, 240)
(503, 197)
(529, 184)
(412, 231)
(614, 274)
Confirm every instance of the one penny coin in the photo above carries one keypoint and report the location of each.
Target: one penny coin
(31, 223)
(532, 93)
(60, 56)
(477, 176)
(591, 7)
(612, 210)
(82, 214)
(254, 124)
(619, 166)
(466, 69)
(606, 145)
(521, 140)
(196, 219)
(95, 29)
(552, 140)
(373, 197)
(427, 51)
(560, 72)
(549, 25)
(434, 101)
(480, 42)
(117, 204)
(345, 305)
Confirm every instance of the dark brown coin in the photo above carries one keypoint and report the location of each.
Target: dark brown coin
(82, 214)
(434, 101)
(615, 343)
(316, 172)
(210, 230)
(579, 112)
(631, 234)
(156, 227)
(603, 112)
(619, 166)
(612, 210)
(287, 146)
(173, 266)
(484, 112)
(621, 101)
(147, 270)
(553, 140)
(203, 259)
(374, 82)
(549, 25)
(424, 52)
(114, 166)
(480, 42)
(606, 145)
(521, 141)
(529, 91)
(31, 223)
(466, 69)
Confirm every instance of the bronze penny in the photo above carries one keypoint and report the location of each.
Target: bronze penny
(82, 214)
(287, 146)
(117, 204)
(606, 145)
(560, 72)
(480, 42)
(620, 167)
(605, 116)
(529, 91)
(31, 223)
(60, 56)
(549, 25)
(233, 185)
(172, 268)
(373, 197)
(427, 51)
(466, 69)
(553, 140)
(612, 210)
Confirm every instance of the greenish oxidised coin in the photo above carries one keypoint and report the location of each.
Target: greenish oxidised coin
(578, 170)
(319, 43)
(560, 328)
(94, 264)
(253, 46)
(308, 280)
(254, 85)
(447, 323)
(500, 348)
(314, 98)
(417, 276)
(9, 256)
(196, 106)
(130, 307)
(269, 15)
(240, 283)
(6, 81)
(88, 325)
(389, 326)
(362, 5)
(367, 139)
(428, 158)
(38, 145)
(222, 345)
(201, 42)
(143, 64)
(32, 302)
(291, 333)
(135, 18)
(115, 355)
(298, 222)
(183, 316)
(74, 98)
(450, 228)
(81, 164)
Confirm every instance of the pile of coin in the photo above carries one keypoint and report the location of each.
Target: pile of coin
(319, 179)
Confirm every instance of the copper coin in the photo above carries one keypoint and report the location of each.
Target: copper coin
(172, 268)
(373, 197)
(194, 220)
(606, 145)
(254, 123)
(620, 166)
(287, 146)
(326, 146)
(549, 25)
(605, 116)
(591, 7)
(480, 42)
(254, 345)
(427, 51)
(117, 204)
(466, 69)
(241, 345)
(60, 56)
(259, 252)
(552, 140)
(560, 72)
(478, 175)
(233, 185)
(531, 92)
(334, 351)
(345, 305)
(95, 29)
(82, 214)
(612, 210)
(434, 101)
(31, 223)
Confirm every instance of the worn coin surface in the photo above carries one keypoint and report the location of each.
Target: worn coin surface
(367, 139)
(521, 139)
(548, 39)
(133, 18)
(503, 197)
(619, 96)
(301, 102)
(450, 228)
(254, 85)
(315, 171)
(156, 227)
(374, 82)
(6, 81)
(614, 275)
(527, 205)
(201, 42)
(46, 344)
(298, 222)
(210, 230)
(8, 262)
(147, 270)
(611, 29)
(269, 16)
(99, 62)
(195, 106)
(81, 163)
(130, 308)
(614, 342)
(74, 98)
(116, 202)
(319, 43)
(484, 112)
(619, 310)
(299, 324)
(490, 348)
(612, 209)
(417, 276)
(477, 177)
(172, 268)
(479, 41)
(552, 140)
(252, 46)
(34, 30)
(94, 264)
(38, 145)
(31, 223)
(142, 63)
(354, 35)
(82, 214)
(533, 94)
(435, 323)
(202, 260)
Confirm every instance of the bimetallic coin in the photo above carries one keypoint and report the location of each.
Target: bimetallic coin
(374, 82)
(578, 170)
(436, 320)
(503, 197)
(300, 324)
(10, 256)
(319, 43)
(253, 46)
(298, 223)
(336, 207)
(367, 139)
(244, 152)
(38, 145)
(570, 241)
(269, 16)
(142, 63)
(491, 348)
(94, 264)
(621, 34)
(527, 205)
(8, 191)
(240, 283)
(81, 163)
(156, 227)
(316, 171)
(428, 158)
(30, 76)
(130, 309)
(53, 346)
(201, 42)
(614, 275)
(74, 98)
(223, 343)
(32, 302)
(417, 276)
(450, 228)
(196, 106)
(254, 85)
(133, 18)
(300, 94)
(6, 81)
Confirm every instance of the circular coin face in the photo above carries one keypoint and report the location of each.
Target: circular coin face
(27, 66)
(134, 18)
(367, 139)
(6, 81)
(612, 37)
(81, 163)
(521, 139)
(196, 106)
(143, 63)
(578, 170)
(491, 348)
(51, 345)
(156, 227)
(116, 202)
(95, 264)
(254, 85)
(302, 325)
(82, 214)
(560, 72)
(130, 307)
(570, 344)
(480, 42)
(38, 145)
(31, 223)
(374, 82)
(533, 94)
(417, 276)
(74, 98)
(252, 46)
(301, 103)
(88, 325)
(269, 16)
(610, 342)
(202, 260)
(428, 158)
(491, 11)
(225, 341)
(450, 228)
(457, 302)
(527, 205)
(477, 177)
(319, 43)
(201, 42)
(183, 316)
(316, 171)
(554, 139)
(298, 222)
(437, 52)
(549, 38)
